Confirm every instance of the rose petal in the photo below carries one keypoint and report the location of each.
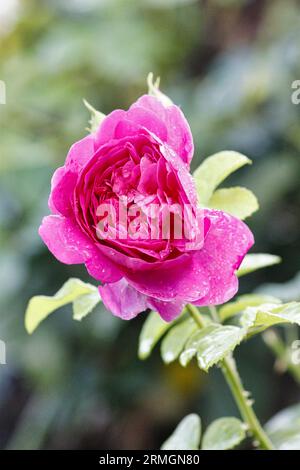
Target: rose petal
(179, 136)
(106, 131)
(166, 123)
(70, 246)
(184, 280)
(64, 178)
(102, 269)
(226, 244)
(80, 153)
(62, 186)
(167, 310)
(145, 117)
(123, 300)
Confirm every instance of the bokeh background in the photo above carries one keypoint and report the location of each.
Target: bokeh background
(230, 65)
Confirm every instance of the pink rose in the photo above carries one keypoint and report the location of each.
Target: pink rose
(142, 156)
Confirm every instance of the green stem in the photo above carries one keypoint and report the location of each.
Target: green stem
(214, 313)
(195, 314)
(244, 405)
(240, 395)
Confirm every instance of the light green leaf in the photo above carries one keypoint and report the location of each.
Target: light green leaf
(240, 202)
(175, 340)
(84, 304)
(242, 302)
(223, 434)
(186, 435)
(284, 429)
(153, 329)
(153, 90)
(40, 306)
(211, 344)
(214, 169)
(96, 117)
(257, 261)
(291, 442)
(285, 291)
(257, 319)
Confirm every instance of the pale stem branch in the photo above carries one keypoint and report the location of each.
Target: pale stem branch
(280, 351)
(240, 395)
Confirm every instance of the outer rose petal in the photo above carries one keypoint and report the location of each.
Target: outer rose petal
(80, 153)
(167, 310)
(62, 184)
(70, 246)
(122, 299)
(64, 179)
(126, 302)
(226, 244)
(99, 267)
(167, 123)
(184, 280)
(179, 136)
(145, 117)
(106, 131)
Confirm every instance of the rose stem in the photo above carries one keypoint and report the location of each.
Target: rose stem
(230, 372)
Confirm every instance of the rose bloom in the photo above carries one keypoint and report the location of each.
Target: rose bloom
(142, 155)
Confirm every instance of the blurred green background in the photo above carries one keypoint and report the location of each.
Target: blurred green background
(229, 64)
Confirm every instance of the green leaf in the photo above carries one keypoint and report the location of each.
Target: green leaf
(285, 291)
(84, 304)
(153, 329)
(40, 306)
(257, 319)
(223, 434)
(242, 302)
(153, 90)
(211, 344)
(175, 340)
(186, 435)
(257, 261)
(96, 117)
(284, 429)
(240, 202)
(214, 169)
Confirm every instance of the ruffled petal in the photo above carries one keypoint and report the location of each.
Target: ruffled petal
(226, 244)
(167, 310)
(71, 246)
(147, 118)
(101, 268)
(126, 302)
(167, 123)
(183, 280)
(122, 299)
(67, 243)
(62, 187)
(80, 153)
(106, 131)
(179, 136)
(64, 178)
